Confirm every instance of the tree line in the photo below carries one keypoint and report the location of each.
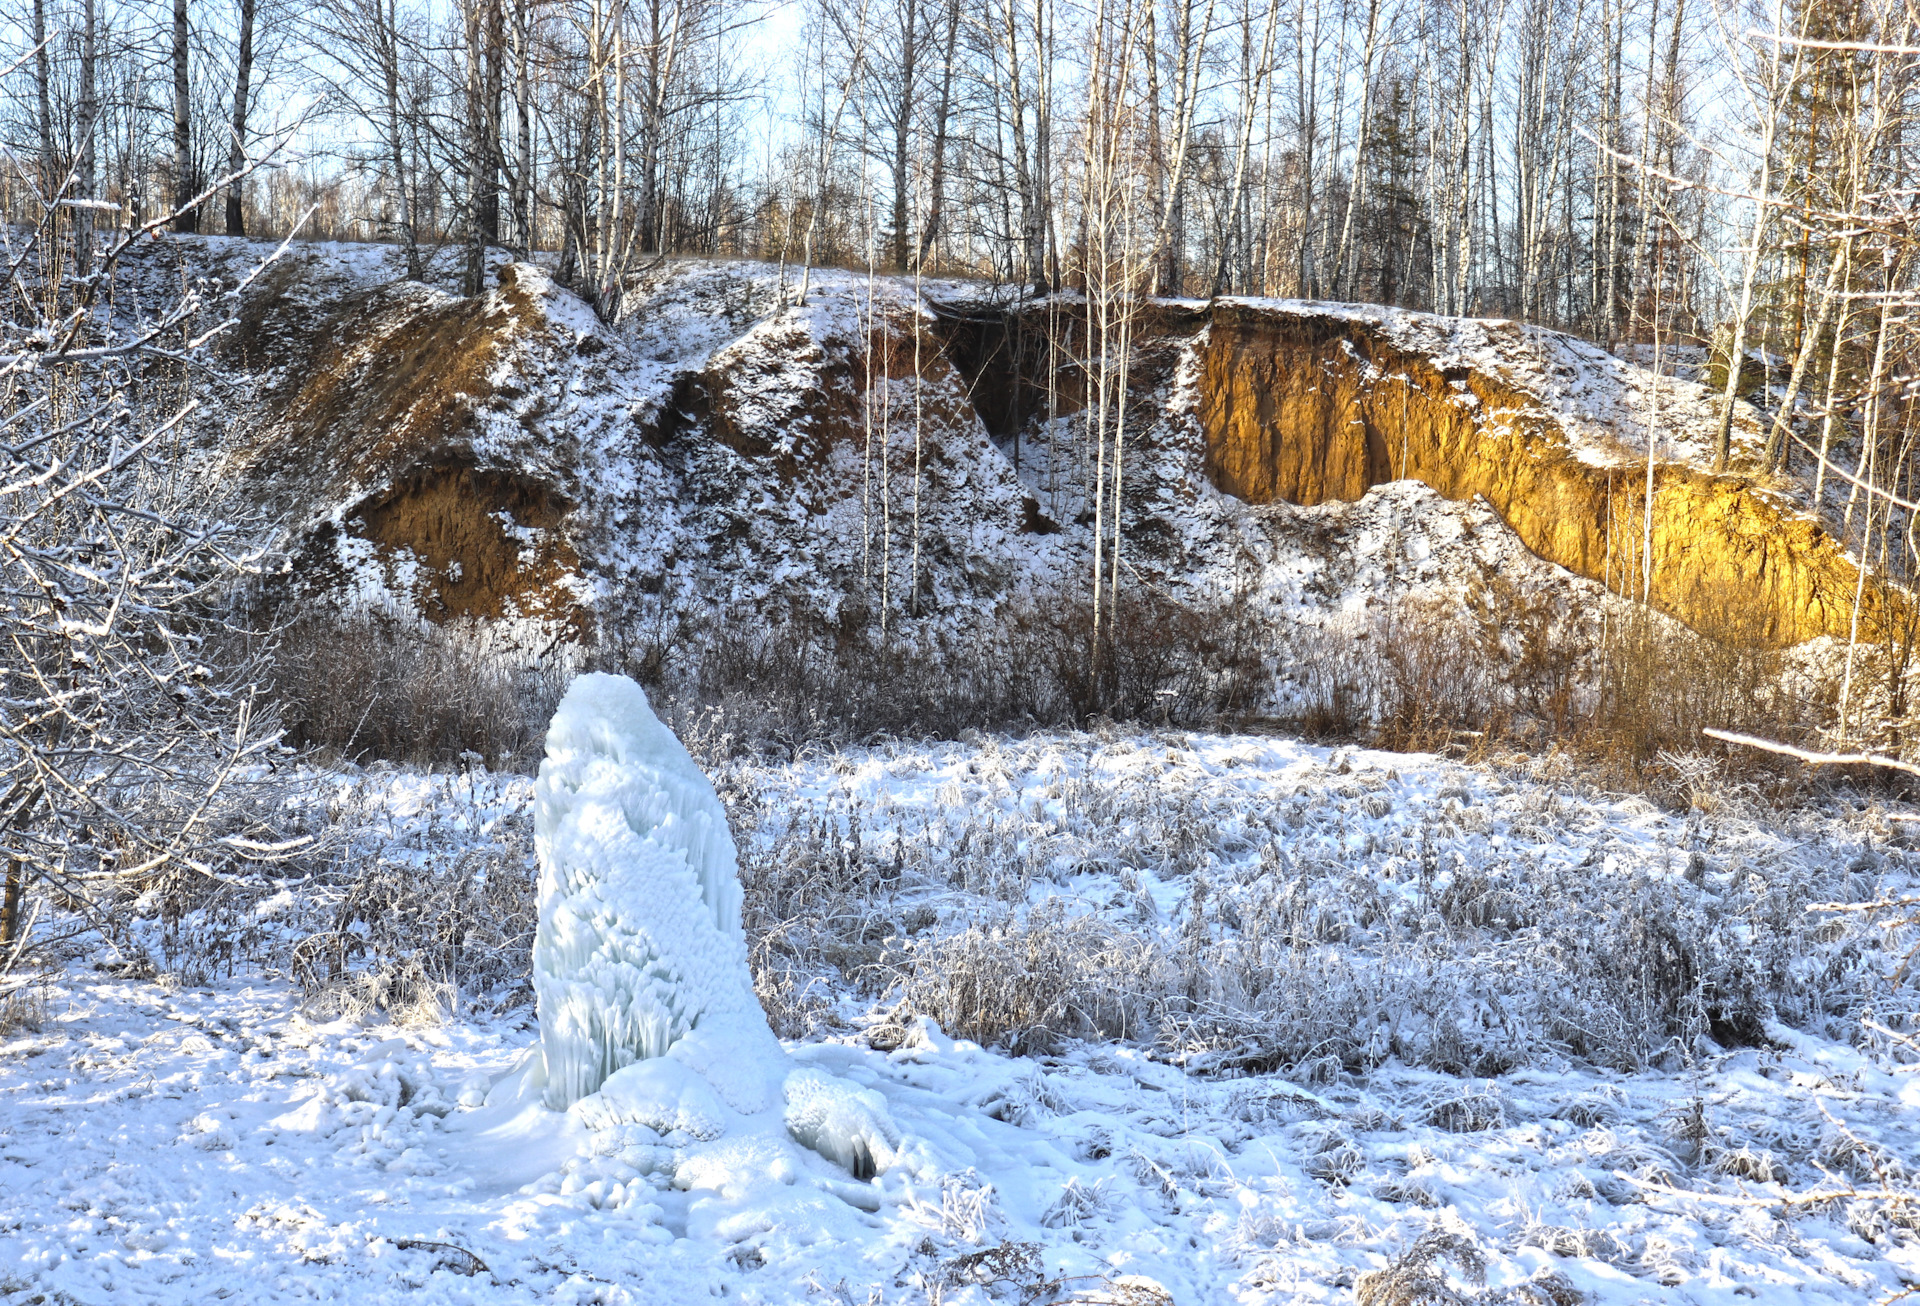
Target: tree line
(1590, 164)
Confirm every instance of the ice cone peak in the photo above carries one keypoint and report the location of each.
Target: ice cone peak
(639, 952)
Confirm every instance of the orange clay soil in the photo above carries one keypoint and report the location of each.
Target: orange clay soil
(1291, 413)
(383, 404)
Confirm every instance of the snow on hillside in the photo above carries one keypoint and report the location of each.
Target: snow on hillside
(1286, 1016)
(723, 450)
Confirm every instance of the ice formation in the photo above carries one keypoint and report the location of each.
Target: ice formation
(847, 1125)
(647, 1012)
(639, 952)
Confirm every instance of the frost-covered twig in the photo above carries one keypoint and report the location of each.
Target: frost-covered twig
(130, 751)
(1811, 757)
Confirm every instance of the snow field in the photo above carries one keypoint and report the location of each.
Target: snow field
(1254, 901)
(166, 1142)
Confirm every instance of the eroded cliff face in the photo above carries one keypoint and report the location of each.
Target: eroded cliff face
(725, 449)
(511, 457)
(1305, 407)
(803, 396)
(382, 445)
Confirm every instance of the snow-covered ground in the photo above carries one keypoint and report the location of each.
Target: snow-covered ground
(1288, 1016)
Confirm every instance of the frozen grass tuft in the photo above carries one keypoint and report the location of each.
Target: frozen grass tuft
(23, 1007)
(1420, 1275)
(1244, 907)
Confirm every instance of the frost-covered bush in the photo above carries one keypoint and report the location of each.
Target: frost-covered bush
(1240, 904)
(414, 897)
(1028, 981)
(414, 937)
(365, 686)
(1536, 670)
(130, 749)
(735, 682)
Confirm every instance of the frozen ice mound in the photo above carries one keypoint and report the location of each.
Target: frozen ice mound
(662, 1095)
(648, 1017)
(639, 952)
(846, 1124)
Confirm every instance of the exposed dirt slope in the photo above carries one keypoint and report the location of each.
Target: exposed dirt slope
(380, 442)
(725, 450)
(510, 456)
(1307, 406)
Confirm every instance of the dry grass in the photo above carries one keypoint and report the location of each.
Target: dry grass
(1630, 692)
(1444, 1267)
(412, 937)
(369, 687)
(1028, 982)
(1444, 937)
(22, 1007)
(404, 917)
(741, 685)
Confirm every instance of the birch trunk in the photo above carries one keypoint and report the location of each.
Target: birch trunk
(185, 219)
(237, 153)
(89, 115)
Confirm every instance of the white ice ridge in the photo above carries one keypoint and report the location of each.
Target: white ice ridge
(639, 952)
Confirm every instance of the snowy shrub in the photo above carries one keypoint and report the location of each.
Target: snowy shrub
(1661, 683)
(1016, 1263)
(1408, 1190)
(1323, 926)
(1238, 918)
(1029, 982)
(1076, 1204)
(1761, 1167)
(1418, 1276)
(22, 1007)
(968, 1208)
(1501, 667)
(733, 682)
(366, 686)
(1335, 1161)
(1562, 1240)
(415, 936)
(1467, 1112)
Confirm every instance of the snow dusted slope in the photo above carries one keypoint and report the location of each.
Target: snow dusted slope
(639, 953)
(724, 450)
